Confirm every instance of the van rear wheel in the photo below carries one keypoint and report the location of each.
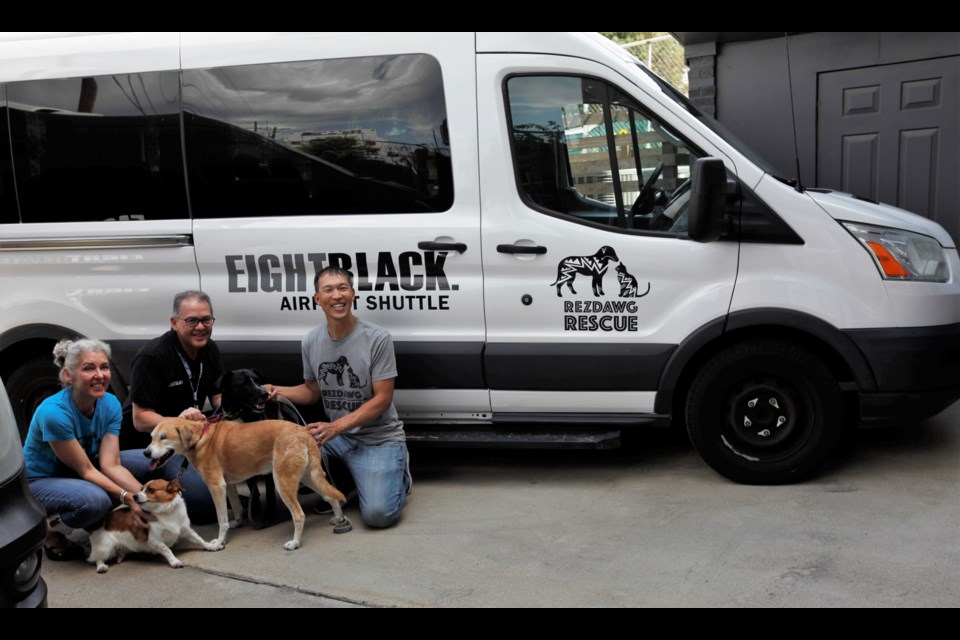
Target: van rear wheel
(28, 386)
(764, 412)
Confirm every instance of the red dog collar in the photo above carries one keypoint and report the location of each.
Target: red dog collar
(209, 421)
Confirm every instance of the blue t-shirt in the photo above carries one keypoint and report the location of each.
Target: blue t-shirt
(58, 419)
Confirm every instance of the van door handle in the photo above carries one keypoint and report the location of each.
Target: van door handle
(516, 248)
(429, 245)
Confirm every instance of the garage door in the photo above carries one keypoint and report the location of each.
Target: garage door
(892, 133)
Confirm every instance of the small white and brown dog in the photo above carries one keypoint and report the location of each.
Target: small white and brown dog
(118, 536)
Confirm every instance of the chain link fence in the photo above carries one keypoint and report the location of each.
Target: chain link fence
(662, 53)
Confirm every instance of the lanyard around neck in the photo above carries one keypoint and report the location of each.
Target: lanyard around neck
(193, 388)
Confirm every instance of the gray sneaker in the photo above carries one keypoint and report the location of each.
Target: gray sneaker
(323, 507)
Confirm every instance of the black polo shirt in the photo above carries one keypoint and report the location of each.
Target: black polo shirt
(160, 381)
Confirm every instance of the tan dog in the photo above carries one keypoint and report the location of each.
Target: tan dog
(225, 453)
(119, 536)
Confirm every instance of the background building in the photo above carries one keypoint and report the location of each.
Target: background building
(877, 113)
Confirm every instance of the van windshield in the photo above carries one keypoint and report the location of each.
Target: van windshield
(684, 102)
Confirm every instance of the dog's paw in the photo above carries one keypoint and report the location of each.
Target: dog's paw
(234, 524)
(291, 545)
(176, 564)
(102, 567)
(212, 546)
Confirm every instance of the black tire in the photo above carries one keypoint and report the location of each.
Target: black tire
(27, 387)
(764, 411)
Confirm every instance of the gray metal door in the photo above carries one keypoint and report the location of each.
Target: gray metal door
(892, 133)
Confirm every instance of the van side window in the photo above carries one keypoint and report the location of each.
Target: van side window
(98, 148)
(346, 136)
(8, 202)
(585, 150)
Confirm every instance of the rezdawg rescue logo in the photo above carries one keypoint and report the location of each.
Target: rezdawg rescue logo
(596, 315)
(410, 281)
(340, 397)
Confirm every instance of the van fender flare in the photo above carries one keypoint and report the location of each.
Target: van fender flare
(716, 332)
(41, 331)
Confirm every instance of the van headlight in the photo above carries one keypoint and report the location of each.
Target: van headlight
(902, 255)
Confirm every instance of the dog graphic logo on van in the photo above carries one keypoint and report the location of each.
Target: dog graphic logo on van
(629, 287)
(599, 315)
(594, 266)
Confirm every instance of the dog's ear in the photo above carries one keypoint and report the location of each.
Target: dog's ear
(257, 376)
(189, 433)
(174, 486)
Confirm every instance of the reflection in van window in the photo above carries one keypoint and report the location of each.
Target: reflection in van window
(583, 148)
(98, 148)
(357, 135)
(8, 203)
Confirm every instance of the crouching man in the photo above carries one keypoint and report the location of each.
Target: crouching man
(350, 365)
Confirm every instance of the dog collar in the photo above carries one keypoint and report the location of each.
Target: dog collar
(209, 421)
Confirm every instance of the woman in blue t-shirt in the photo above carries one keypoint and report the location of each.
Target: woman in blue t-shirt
(72, 450)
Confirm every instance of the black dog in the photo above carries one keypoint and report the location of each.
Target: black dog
(245, 400)
(243, 397)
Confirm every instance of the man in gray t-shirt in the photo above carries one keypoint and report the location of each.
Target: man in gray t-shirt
(350, 365)
(345, 371)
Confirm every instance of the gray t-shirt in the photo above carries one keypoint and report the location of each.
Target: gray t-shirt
(346, 370)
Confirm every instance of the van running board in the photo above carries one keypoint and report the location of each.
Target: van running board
(516, 437)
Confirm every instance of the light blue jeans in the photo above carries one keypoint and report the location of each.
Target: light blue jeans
(380, 473)
(80, 503)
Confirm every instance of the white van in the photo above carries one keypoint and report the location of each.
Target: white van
(553, 236)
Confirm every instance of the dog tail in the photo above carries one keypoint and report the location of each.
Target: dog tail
(317, 479)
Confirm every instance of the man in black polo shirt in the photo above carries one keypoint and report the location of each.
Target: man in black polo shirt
(174, 375)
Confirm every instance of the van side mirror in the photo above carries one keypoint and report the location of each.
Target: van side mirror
(708, 193)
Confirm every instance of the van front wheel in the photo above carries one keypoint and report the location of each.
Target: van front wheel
(764, 412)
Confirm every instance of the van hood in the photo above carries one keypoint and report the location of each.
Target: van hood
(845, 206)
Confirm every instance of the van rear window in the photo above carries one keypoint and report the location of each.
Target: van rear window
(97, 148)
(344, 136)
(8, 202)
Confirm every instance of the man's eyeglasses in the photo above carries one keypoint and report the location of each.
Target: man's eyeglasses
(193, 322)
